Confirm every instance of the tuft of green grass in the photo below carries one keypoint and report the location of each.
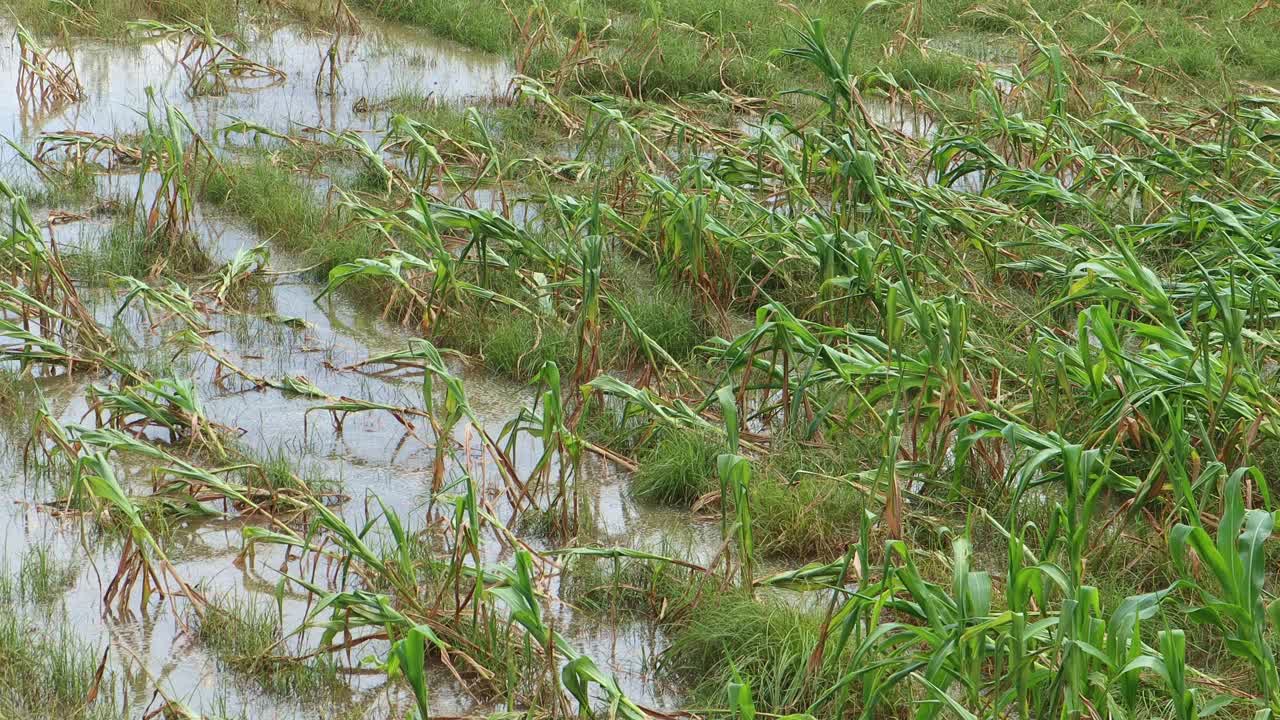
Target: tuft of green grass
(43, 576)
(810, 517)
(481, 27)
(940, 70)
(284, 210)
(50, 673)
(512, 344)
(1196, 61)
(124, 249)
(669, 316)
(518, 347)
(768, 644)
(519, 128)
(644, 588)
(19, 400)
(546, 523)
(71, 185)
(282, 472)
(678, 468)
(110, 18)
(247, 637)
(121, 250)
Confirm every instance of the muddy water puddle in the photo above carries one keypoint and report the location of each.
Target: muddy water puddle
(367, 456)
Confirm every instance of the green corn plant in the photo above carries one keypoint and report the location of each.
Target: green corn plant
(1037, 452)
(498, 165)
(1209, 377)
(422, 155)
(393, 267)
(653, 351)
(196, 481)
(243, 265)
(579, 671)
(175, 300)
(561, 447)
(587, 325)
(447, 412)
(1232, 595)
(944, 388)
(813, 49)
(676, 414)
(604, 116)
(408, 657)
(484, 227)
(171, 148)
(447, 415)
(430, 276)
(735, 481)
(170, 403)
(356, 143)
(951, 632)
(690, 235)
(811, 372)
(142, 559)
(36, 292)
(968, 659)
(403, 613)
(532, 89)
(254, 130)
(34, 349)
(82, 146)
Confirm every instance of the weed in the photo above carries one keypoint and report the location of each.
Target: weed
(285, 211)
(246, 634)
(766, 644)
(44, 576)
(517, 345)
(51, 673)
(678, 468)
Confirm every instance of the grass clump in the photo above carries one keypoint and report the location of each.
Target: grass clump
(669, 316)
(768, 644)
(111, 18)
(247, 637)
(280, 472)
(518, 346)
(678, 468)
(919, 69)
(71, 185)
(50, 674)
(484, 28)
(19, 398)
(645, 588)
(521, 127)
(44, 576)
(284, 209)
(121, 250)
(803, 505)
(512, 344)
(809, 517)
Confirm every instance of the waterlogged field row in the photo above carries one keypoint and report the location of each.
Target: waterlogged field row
(608, 359)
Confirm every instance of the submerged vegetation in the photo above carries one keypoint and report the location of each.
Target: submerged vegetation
(905, 360)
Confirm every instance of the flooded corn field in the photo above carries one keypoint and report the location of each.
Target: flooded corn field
(418, 358)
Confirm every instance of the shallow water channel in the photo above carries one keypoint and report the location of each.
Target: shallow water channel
(370, 455)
